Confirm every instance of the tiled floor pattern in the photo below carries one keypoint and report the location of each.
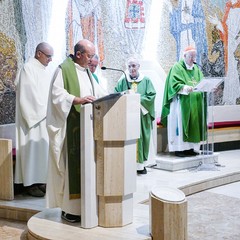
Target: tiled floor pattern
(215, 216)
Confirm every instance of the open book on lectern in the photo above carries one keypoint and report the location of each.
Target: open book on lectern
(112, 96)
(108, 97)
(208, 84)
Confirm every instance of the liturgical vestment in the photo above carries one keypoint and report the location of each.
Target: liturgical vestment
(142, 85)
(183, 112)
(32, 88)
(59, 107)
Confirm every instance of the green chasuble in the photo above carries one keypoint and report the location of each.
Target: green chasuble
(193, 124)
(71, 84)
(147, 95)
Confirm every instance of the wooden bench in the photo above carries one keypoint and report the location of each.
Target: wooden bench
(224, 134)
(215, 135)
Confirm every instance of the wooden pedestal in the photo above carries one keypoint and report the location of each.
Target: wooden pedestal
(168, 219)
(116, 130)
(6, 170)
(116, 182)
(115, 211)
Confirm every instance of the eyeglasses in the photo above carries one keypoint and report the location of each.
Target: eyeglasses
(89, 56)
(91, 65)
(133, 65)
(47, 56)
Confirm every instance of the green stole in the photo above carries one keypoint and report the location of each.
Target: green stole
(146, 89)
(95, 77)
(71, 84)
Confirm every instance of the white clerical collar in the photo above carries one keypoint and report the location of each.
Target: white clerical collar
(80, 67)
(138, 79)
(37, 62)
(188, 66)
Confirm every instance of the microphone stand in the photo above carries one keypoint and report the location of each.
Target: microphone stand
(119, 70)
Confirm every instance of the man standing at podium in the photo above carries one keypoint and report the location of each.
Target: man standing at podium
(182, 110)
(142, 85)
(72, 86)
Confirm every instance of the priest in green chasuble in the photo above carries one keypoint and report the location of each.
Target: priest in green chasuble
(184, 111)
(138, 83)
(72, 85)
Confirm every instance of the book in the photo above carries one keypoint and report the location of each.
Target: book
(208, 84)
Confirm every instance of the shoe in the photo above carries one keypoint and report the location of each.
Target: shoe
(144, 171)
(34, 191)
(42, 187)
(190, 152)
(180, 154)
(70, 217)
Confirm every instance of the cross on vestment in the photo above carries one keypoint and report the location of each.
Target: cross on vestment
(134, 87)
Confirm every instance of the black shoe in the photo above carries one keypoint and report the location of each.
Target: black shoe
(180, 154)
(144, 171)
(34, 191)
(42, 187)
(71, 218)
(190, 152)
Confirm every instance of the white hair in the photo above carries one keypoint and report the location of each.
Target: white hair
(133, 59)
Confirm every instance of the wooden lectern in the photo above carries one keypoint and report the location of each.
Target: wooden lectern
(116, 130)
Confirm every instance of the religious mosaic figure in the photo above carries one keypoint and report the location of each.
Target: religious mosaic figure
(187, 25)
(84, 21)
(229, 28)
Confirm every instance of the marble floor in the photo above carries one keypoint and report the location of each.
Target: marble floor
(212, 214)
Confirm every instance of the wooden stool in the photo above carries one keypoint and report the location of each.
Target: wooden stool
(168, 214)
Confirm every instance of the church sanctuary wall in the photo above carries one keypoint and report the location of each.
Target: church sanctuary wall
(157, 31)
(21, 29)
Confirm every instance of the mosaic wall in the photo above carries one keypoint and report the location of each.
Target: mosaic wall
(150, 28)
(10, 57)
(21, 29)
(213, 26)
(36, 20)
(8, 66)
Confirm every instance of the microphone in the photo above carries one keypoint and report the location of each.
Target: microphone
(198, 64)
(119, 70)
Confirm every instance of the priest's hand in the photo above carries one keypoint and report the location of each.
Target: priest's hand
(83, 100)
(186, 90)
